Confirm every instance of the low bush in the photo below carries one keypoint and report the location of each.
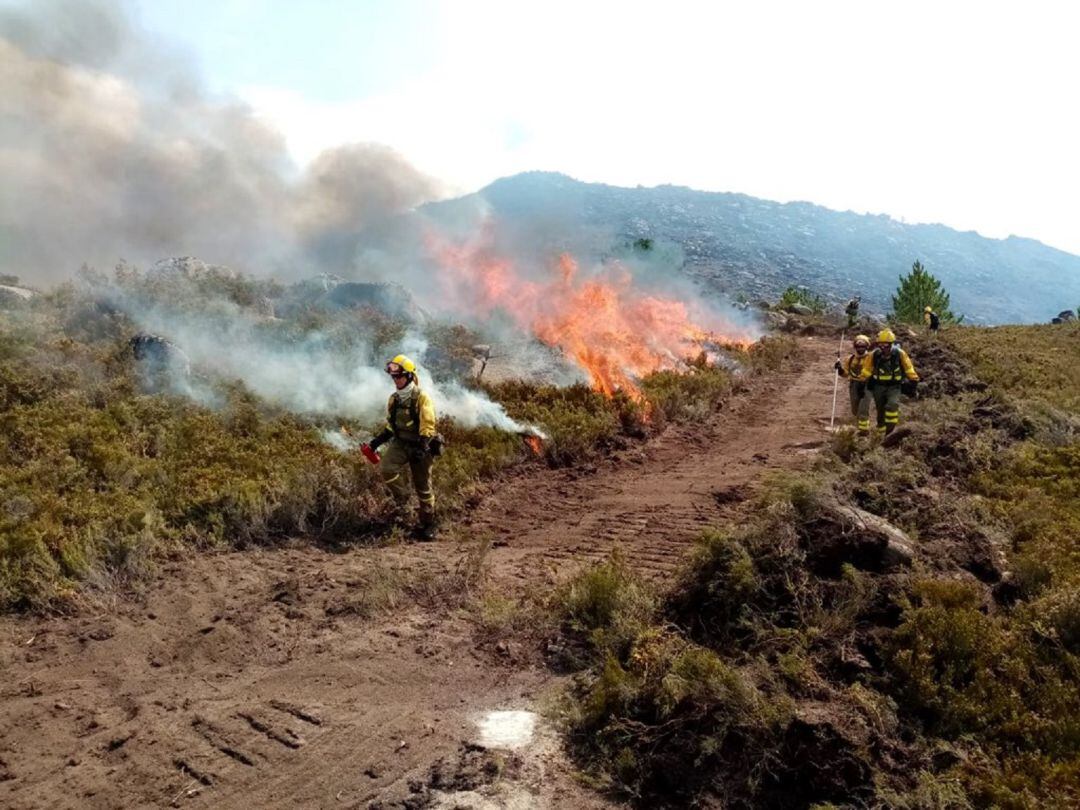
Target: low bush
(693, 394)
(655, 714)
(1025, 362)
(953, 684)
(607, 605)
(799, 295)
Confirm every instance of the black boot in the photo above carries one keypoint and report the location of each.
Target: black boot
(426, 531)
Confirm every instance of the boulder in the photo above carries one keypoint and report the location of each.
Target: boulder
(801, 309)
(824, 753)
(894, 546)
(188, 267)
(776, 320)
(840, 533)
(11, 296)
(159, 357)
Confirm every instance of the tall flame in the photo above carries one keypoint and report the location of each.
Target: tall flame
(611, 329)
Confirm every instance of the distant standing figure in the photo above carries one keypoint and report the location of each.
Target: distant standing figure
(854, 370)
(852, 311)
(931, 319)
(889, 373)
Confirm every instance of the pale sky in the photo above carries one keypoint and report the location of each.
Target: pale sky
(964, 113)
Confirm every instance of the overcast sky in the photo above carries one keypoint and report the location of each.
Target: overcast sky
(954, 112)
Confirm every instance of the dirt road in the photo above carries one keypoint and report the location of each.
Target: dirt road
(268, 678)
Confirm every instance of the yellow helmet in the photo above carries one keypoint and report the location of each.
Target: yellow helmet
(928, 309)
(863, 339)
(400, 364)
(886, 336)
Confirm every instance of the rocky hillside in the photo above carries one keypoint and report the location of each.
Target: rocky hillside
(755, 248)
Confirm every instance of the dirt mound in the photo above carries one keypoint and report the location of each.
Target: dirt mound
(943, 372)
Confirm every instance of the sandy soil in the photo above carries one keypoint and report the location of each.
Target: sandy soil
(257, 679)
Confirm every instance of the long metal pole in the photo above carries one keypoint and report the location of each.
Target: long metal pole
(836, 381)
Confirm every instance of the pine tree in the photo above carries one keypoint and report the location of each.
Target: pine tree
(918, 290)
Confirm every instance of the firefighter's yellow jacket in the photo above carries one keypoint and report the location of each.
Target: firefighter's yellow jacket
(888, 367)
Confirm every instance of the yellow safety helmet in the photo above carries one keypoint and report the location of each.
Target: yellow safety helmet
(863, 339)
(400, 364)
(886, 336)
(928, 309)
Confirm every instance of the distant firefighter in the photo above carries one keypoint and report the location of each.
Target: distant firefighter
(931, 319)
(852, 311)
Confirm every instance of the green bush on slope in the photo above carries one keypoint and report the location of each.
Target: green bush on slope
(942, 686)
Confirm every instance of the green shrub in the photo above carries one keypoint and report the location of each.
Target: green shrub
(607, 604)
(800, 295)
(661, 721)
(687, 395)
(769, 354)
(966, 672)
(719, 585)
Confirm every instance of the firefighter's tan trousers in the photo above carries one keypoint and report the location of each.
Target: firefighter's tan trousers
(860, 404)
(400, 459)
(887, 405)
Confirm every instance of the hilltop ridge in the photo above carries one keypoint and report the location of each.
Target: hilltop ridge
(754, 248)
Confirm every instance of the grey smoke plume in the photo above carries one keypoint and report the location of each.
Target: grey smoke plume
(111, 148)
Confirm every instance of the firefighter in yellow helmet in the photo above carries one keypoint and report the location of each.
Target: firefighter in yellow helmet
(931, 319)
(853, 370)
(889, 372)
(413, 443)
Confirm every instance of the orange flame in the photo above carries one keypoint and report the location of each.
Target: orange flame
(604, 323)
(534, 443)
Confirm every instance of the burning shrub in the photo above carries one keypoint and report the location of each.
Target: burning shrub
(578, 420)
(96, 478)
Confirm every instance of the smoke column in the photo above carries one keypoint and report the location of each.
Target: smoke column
(111, 148)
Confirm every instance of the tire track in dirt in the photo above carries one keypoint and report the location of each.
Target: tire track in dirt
(250, 679)
(649, 504)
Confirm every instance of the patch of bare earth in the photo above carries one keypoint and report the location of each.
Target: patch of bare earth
(270, 679)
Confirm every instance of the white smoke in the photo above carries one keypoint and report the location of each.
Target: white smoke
(308, 374)
(340, 441)
(473, 409)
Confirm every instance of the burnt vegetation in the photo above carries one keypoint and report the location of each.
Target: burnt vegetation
(898, 628)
